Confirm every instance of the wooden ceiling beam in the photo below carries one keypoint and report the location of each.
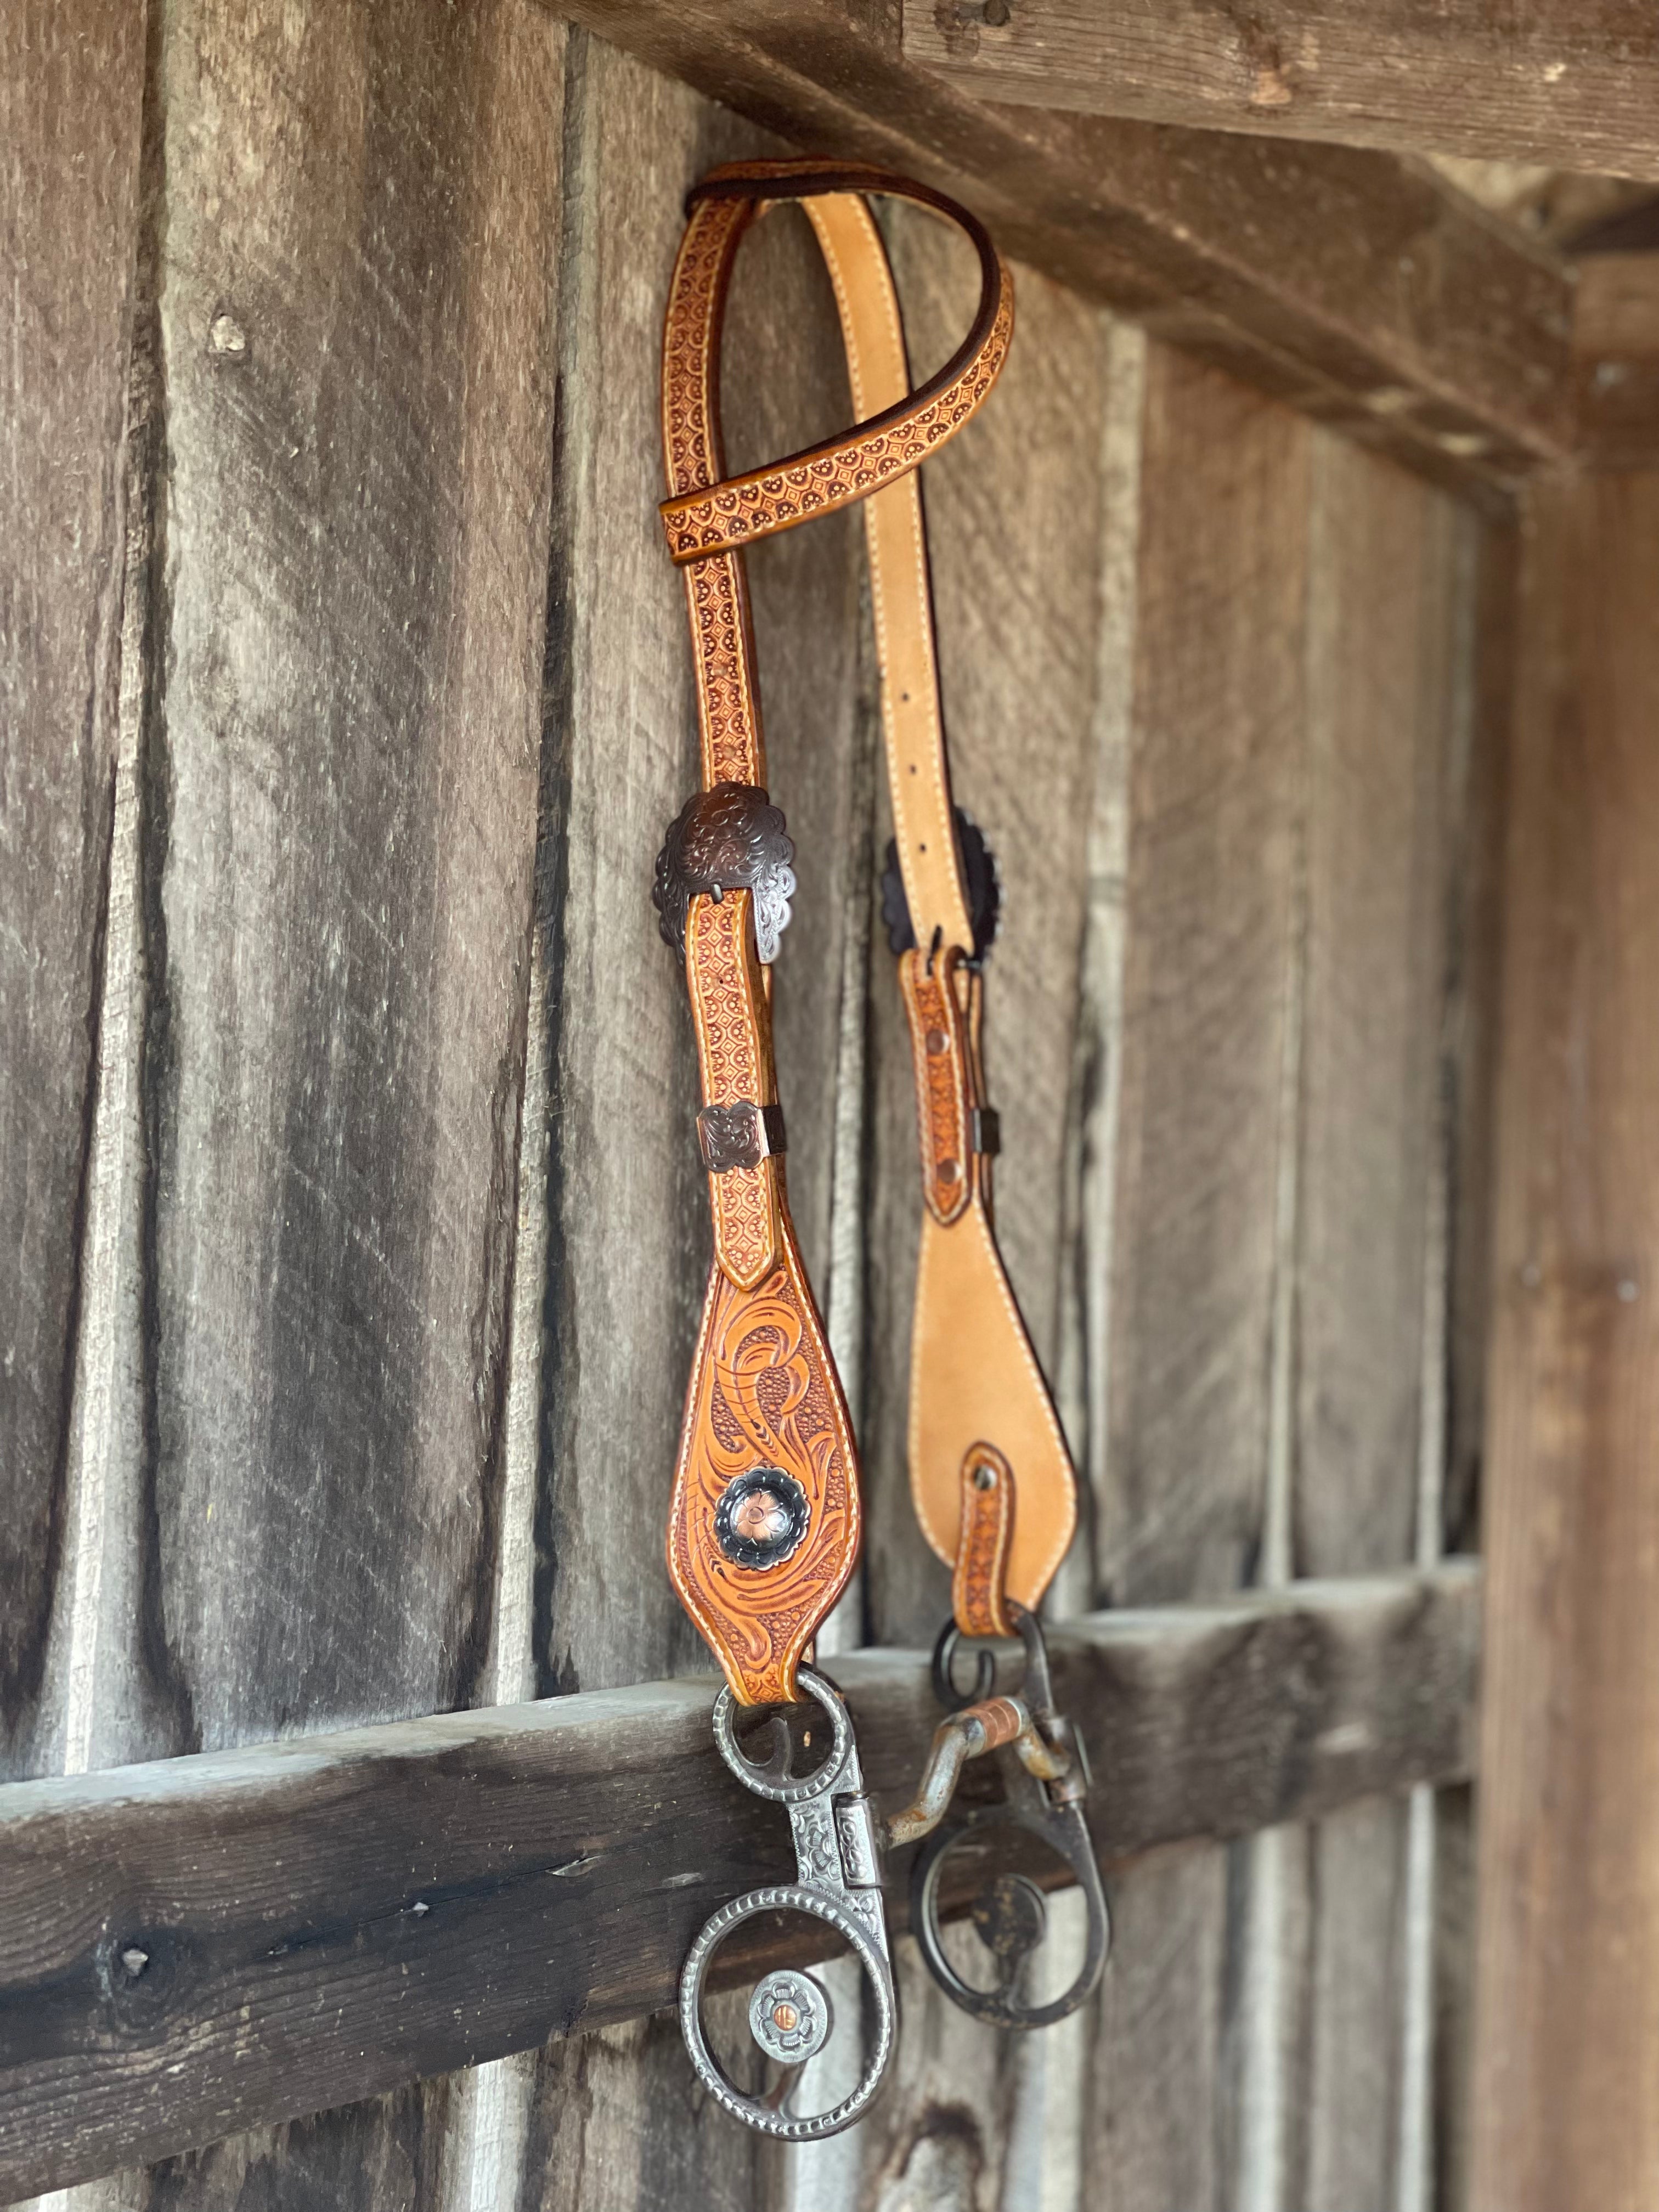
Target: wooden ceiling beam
(1573, 84)
(1616, 361)
(1364, 294)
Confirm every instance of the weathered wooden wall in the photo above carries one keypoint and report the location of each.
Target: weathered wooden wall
(346, 697)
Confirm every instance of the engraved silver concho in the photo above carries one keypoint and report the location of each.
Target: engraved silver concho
(729, 839)
(790, 2016)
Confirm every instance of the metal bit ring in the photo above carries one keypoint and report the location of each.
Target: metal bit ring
(1011, 1909)
(756, 2111)
(1063, 1830)
(773, 1780)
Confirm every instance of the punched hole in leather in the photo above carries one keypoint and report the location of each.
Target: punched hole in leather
(765, 1519)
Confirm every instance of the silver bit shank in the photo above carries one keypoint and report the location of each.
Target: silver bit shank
(838, 1869)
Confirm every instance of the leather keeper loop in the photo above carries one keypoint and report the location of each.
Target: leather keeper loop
(979, 1596)
(939, 1047)
(740, 1136)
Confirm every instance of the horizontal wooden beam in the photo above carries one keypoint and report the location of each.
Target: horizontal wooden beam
(1364, 294)
(1616, 361)
(197, 1946)
(1570, 83)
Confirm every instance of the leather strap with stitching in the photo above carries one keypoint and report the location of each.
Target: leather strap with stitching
(990, 1475)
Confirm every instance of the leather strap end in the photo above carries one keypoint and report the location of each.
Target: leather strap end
(979, 1595)
(734, 1046)
(764, 1526)
(940, 1049)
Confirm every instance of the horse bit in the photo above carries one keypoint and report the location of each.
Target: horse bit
(765, 1525)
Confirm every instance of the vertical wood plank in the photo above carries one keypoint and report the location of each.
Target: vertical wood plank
(338, 736)
(1384, 634)
(1476, 856)
(1567, 2038)
(356, 309)
(1014, 512)
(1179, 1455)
(71, 96)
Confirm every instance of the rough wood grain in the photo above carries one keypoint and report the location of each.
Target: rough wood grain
(1217, 738)
(332, 1916)
(71, 93)
(1183, 1222)
(1384, 631)
(1569, 1911)
(627, 1196)
(1329, 276)
(341, 795)
(1474, 859)
(1557, 82)
(353, 302)
(1616, 347)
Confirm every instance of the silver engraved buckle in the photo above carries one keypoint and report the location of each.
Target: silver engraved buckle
(726, 839)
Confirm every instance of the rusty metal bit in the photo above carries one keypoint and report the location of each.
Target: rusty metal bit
(1049, 1762)
(970, 1733)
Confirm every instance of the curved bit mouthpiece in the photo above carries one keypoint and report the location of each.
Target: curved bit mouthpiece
(968, 1734)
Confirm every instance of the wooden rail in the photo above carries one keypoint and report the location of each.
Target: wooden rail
(198, 1945)
(1572, 83)
(1331, 276)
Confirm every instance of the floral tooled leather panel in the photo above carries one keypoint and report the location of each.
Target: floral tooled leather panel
(766, 1426)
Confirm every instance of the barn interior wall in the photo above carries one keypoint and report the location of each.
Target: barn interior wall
(362, 1238)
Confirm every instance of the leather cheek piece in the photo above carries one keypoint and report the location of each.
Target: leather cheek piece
(938, 1049)
(978, 1587)
(733, 1024)
(975, 1382)
(763, 1402)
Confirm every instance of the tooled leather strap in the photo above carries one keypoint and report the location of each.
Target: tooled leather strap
(763, 1528)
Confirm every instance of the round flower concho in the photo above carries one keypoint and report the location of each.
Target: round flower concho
(761, 1518)
(790, 2016)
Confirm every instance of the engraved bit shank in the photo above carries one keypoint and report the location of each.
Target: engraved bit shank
(838, 1869)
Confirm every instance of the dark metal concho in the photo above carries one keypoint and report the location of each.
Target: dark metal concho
(729, 839)
(980, 881)
(760, 1519)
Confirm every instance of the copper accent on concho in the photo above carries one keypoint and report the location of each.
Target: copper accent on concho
(765, 1412)
(762, 1518)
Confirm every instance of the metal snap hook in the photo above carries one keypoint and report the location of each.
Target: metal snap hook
(1046, 1776)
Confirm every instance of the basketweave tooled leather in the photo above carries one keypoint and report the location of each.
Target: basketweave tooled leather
(979, 1583)
(762, 1382)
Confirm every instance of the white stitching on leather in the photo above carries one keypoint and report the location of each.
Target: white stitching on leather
(923, 708)
(1063, 1543)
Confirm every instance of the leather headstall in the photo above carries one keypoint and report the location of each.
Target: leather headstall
(764, 1526)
